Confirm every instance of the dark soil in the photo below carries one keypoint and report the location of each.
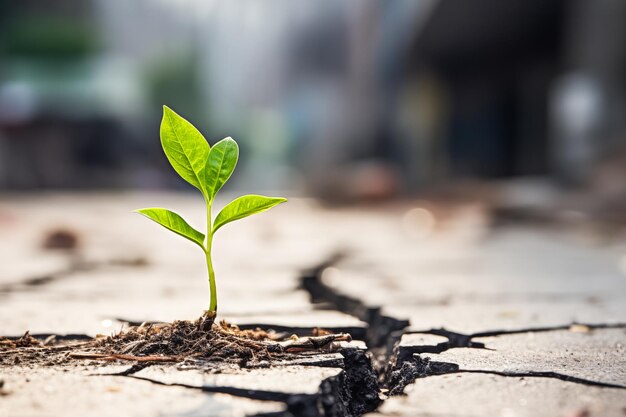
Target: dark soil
(176, 342)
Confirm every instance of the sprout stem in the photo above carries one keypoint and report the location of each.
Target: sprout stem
(212, 286)
(212, 312)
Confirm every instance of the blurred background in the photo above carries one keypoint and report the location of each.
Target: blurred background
(346, 101)
(466, 161)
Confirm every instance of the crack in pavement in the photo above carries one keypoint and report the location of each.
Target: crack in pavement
(462, 340)
(350, 393)
(355, 390)
(130, 371)
(545, 374)
(380, 326)
(549, 329)
(305, 405)
(423, 367)
(404, 364)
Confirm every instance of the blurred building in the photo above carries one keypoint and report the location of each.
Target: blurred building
(342, 99)
(530, 86)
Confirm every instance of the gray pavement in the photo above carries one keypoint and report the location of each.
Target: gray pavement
(437, 266)
(58, 392)
(471, 395)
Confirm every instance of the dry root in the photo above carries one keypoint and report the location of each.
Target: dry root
(182, 340)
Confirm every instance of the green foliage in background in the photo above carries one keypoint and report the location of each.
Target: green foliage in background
(48, 38)
(206, 168)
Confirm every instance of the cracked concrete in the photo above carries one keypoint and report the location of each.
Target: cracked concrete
(464, 321)
(77, 302)
(54, 392)
(593, 358)
(465, 395)
(595, 355)
(503, 305)
(339, 384)
(335, 384)
(468, 283)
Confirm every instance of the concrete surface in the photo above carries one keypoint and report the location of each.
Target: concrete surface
(597, 355)
(470, 395)
(444, 268)
(62, 392)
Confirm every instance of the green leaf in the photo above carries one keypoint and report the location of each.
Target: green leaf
(243, 207)
(173, 222)
(184, 146)
(220, 165)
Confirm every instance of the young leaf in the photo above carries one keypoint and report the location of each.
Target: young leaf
(243, 207)
(173, 222)
(184, 146)
(220, 165)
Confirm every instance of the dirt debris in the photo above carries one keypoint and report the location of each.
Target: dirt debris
(25, 341)
(171, 342)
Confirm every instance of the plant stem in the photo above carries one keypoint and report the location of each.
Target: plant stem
(212, 286)
(207, 250)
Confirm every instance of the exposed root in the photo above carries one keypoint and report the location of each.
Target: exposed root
(175, 342)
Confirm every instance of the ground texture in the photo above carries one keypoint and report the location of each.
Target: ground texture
(454, 310)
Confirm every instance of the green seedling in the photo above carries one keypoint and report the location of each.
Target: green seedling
(206, 168)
